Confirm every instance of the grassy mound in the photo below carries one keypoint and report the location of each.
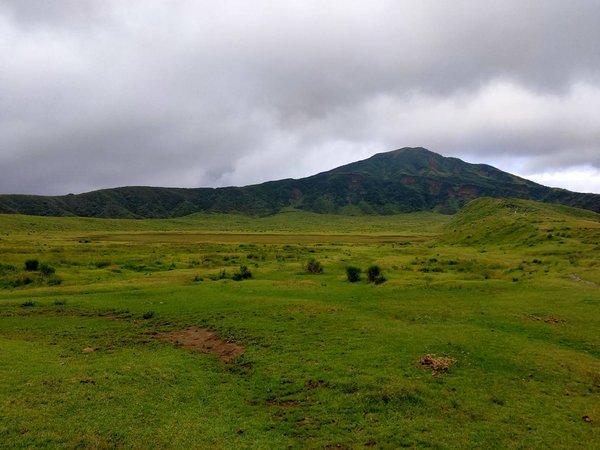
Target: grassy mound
(492, 221)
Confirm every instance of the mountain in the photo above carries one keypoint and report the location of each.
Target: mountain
(405, 180)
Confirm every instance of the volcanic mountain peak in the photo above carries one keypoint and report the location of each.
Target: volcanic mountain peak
(403, 180)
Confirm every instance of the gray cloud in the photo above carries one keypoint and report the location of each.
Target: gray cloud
(191, 93)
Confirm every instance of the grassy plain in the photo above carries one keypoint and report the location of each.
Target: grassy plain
(508, 292)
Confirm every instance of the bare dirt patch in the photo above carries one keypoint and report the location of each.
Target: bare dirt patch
(549, 319)
(204, 341)
(282, 403)
(578, 279)
(437, 364)
(315, 384)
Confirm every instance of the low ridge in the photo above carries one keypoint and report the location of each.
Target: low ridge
(404, 180)
(517, 222)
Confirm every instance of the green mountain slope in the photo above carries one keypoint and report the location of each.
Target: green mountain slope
(405, 180)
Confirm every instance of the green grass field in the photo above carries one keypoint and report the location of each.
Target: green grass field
(484, 334)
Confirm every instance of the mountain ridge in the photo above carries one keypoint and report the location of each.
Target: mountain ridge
(403, 180)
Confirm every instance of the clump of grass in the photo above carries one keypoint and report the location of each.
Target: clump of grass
(313, 266)
(148, 315)
(222, 275)
(27, 304)
(135, 267)
(54, 280)
(7, 268)
(20, 280)
(353, 274)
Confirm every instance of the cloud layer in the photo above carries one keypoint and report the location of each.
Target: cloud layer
(106, 93)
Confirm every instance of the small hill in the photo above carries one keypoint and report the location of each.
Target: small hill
(404, 180)
(520, 222)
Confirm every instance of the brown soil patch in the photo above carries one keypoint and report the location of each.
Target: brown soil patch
(437, 364)
(314, 384)
(549, 319)
(204, 341)
(282, 403)
(553, 320)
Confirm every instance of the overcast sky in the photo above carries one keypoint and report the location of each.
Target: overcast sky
(106, 93)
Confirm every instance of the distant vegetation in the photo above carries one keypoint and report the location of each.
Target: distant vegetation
(33, 273)
(405, 180)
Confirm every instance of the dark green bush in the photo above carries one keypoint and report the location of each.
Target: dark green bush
(353, 274)
(32, 265)
(313, 266)
(373, 272)
(46, 270)
(148, 315)
(243, 274)
(374, 275)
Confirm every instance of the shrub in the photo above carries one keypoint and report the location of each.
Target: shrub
(374, 275)
(32, 265)
(373, 272)
(46, 270)
(148, 315)
(243, 274)
(27, 304)
(313, 266)
(353, 274)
